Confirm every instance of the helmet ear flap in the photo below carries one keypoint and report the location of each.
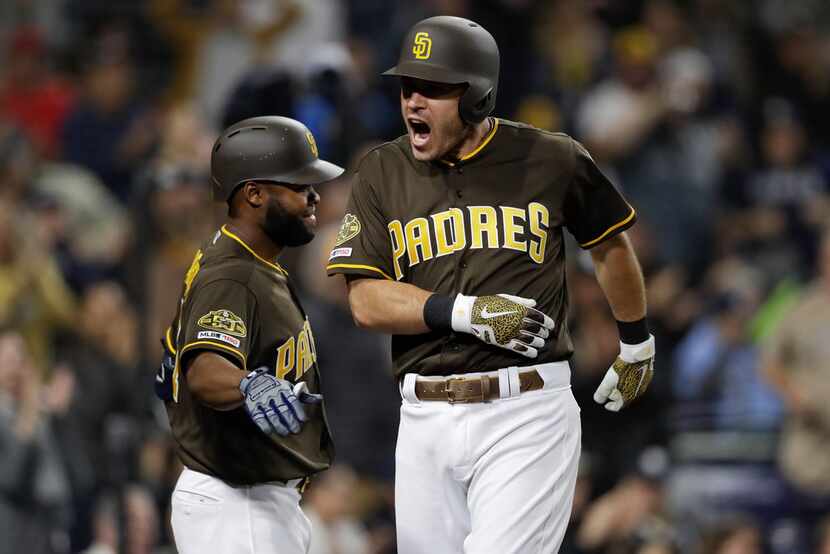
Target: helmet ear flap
(473, 111)
(484, 102)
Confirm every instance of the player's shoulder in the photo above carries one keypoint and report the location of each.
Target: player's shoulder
(390, 152)
(374, 168)
(222, 263)
(528, 136)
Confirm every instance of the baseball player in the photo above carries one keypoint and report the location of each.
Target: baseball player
(240, 365)
(453, 243)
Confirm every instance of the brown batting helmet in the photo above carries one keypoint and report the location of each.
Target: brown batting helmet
(269, 148)
(453, 50)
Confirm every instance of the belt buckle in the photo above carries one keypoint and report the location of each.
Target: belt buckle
(451, 393)
(451, 398)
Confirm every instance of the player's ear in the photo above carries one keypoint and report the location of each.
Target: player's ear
(253, 193)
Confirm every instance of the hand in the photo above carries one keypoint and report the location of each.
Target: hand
(60, 390)
(276, 407)
(163, 384)
(629, 377)
(506, 321)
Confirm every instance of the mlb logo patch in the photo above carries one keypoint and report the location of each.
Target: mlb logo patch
(339, 252)
(219, 336)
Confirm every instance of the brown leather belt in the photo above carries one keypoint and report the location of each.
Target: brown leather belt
(480, 388)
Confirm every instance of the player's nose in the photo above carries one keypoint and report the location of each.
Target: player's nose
(313, 197)
(415, 101)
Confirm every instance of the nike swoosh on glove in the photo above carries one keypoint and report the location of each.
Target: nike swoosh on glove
(629, 377)
(503, 320)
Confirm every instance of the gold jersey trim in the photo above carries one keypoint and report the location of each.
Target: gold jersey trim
(610, 229)
(484, 142)
(358, 266)
(169, 340)
(478, 148)
(212, 344)
(272, 265)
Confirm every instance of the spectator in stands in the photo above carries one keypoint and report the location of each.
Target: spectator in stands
(572, 43)
(141, 518)
(786, 199)
(32, 96)
(632, 513)
(220, 42)
(735, 535)
(617, 116)
(109, 131)
(331, 506)
(328, 105)
(717, 381)
(34, 297)
(34, 489)
(176, 182)
(797, 363)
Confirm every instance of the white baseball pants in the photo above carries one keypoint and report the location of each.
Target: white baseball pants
(208, 515)
(488, 478)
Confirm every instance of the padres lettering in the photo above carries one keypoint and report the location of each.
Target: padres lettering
(444, 233)
(297, 353)
(422, 46)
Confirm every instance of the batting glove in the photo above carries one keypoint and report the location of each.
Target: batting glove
(503, 320)
(273, 405)
(163, 384)
(629, 377)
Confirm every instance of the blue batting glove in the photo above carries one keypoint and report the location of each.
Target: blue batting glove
(163, 384)
(273, 405)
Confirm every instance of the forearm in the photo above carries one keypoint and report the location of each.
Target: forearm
(618, 274)
(214, 381)
(388, 306)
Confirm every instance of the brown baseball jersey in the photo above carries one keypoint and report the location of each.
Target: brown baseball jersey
(491, 222)
(241, 306)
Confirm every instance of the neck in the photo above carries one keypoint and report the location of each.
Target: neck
(253, 235)
(472, 139)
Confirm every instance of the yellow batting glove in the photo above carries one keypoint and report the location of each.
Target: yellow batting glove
(629, 377)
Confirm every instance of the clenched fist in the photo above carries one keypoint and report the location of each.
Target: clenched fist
(503, 320)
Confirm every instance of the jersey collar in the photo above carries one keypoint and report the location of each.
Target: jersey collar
(469, 156)
(272, 265)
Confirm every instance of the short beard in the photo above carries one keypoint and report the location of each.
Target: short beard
(285, 229)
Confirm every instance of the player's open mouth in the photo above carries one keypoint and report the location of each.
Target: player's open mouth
(418, 132)
(310, 218)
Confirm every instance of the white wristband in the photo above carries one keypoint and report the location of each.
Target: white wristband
(462, 312)
(631, 353)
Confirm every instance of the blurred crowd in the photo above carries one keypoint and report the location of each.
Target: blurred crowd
(713, 116)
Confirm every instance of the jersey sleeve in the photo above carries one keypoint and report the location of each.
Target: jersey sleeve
(363, 245)
(218, 317)
(594, 209)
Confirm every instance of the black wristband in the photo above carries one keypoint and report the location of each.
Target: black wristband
(633, 332)
(438, 312)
